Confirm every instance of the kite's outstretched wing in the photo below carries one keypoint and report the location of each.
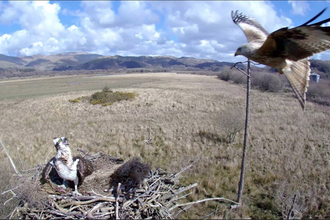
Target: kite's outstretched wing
(285, 49)
(299, 42)
(251, 27)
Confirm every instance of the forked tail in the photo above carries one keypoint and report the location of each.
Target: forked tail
(298, 76)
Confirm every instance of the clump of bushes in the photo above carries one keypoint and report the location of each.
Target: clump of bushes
(75, 100)
(319, 93)
(266, 82)
(232, 123)
(260, 80)
(224, 74)
(270, 82)
(228, 74)
(106, 97)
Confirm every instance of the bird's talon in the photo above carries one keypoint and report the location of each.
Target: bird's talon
(75, 193)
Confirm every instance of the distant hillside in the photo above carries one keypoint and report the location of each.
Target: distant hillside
(85, 61)
(41, 62)
(15, 60)
(129, 62)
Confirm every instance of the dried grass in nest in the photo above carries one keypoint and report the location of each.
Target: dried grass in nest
(136, 193)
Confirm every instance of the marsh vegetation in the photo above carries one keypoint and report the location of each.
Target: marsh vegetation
(184, 118)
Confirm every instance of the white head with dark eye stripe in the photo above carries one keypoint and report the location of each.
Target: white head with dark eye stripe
(248, 49)
(60, 143)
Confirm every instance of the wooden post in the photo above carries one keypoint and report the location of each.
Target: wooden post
(246, 133)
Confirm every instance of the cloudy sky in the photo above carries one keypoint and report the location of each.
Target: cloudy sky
(201, 29)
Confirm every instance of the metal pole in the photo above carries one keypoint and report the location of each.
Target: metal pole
(241, 182)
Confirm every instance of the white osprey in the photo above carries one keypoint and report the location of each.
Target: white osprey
(67, 167)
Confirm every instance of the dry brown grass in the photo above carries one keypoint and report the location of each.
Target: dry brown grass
(286, 145)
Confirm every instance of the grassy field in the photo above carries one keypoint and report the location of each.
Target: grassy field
(188, 118)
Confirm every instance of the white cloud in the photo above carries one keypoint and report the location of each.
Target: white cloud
(207, 29)
(135, 13)
(8, 15)
(98, 14)
(39, 22)
(299, 7)
(175, 28)
(39, 17)
(322, 56)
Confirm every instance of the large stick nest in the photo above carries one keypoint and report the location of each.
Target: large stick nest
(114, 190)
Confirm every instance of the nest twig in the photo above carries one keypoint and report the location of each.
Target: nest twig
(159, 196)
